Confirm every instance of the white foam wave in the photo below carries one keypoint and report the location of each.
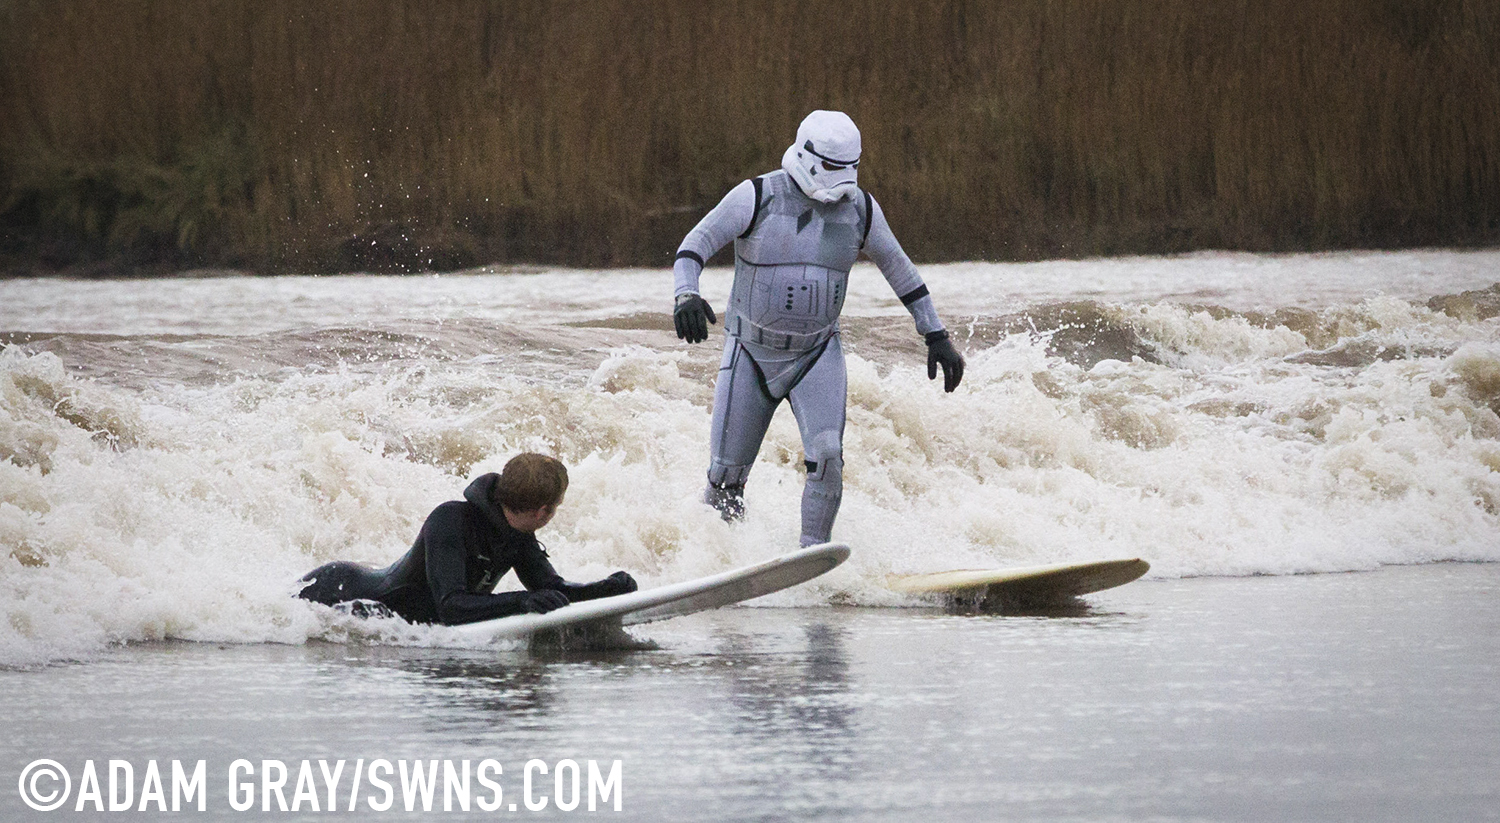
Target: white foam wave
(1367, 435)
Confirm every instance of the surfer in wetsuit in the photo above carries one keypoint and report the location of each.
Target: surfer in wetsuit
(463, 550)
(797, 232)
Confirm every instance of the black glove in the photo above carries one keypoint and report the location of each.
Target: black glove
(619, 583)
(940, 351)
(542, 601)
(692, 316)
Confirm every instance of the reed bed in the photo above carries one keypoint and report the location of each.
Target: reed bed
(289, 135)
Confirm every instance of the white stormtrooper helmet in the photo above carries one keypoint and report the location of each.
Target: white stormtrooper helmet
(825, 159)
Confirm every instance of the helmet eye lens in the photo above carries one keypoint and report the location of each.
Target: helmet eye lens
(827, 166)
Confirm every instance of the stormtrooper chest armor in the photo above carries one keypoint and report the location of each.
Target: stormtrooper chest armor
(792, 267)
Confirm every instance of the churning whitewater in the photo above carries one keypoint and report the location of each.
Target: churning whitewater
(175, 454)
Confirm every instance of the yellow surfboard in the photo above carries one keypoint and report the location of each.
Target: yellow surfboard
(1002, 590)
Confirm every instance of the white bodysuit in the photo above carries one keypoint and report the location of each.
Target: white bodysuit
(793, 255)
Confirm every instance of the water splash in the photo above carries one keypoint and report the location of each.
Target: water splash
(148, 493)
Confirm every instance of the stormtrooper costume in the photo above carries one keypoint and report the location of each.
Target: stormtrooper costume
(797, 232)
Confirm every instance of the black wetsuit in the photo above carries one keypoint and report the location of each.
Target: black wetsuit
(449, 575)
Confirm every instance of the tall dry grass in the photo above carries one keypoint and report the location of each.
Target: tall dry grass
(288, 135)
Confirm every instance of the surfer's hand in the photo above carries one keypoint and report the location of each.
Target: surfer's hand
(940, 352)
(620, 583)
(617, 583)
(542, 601)
(692, 316)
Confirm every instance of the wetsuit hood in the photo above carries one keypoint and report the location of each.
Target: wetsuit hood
(479, 493)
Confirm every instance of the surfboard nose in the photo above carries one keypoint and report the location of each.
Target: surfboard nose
(836, 553)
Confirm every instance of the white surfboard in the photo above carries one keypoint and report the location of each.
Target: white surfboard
(1005, 589)
(671, 600)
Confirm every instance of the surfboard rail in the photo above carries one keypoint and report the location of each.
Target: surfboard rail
(672, 600)
(1035, 583)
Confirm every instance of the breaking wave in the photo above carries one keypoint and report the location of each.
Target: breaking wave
(175, 485)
